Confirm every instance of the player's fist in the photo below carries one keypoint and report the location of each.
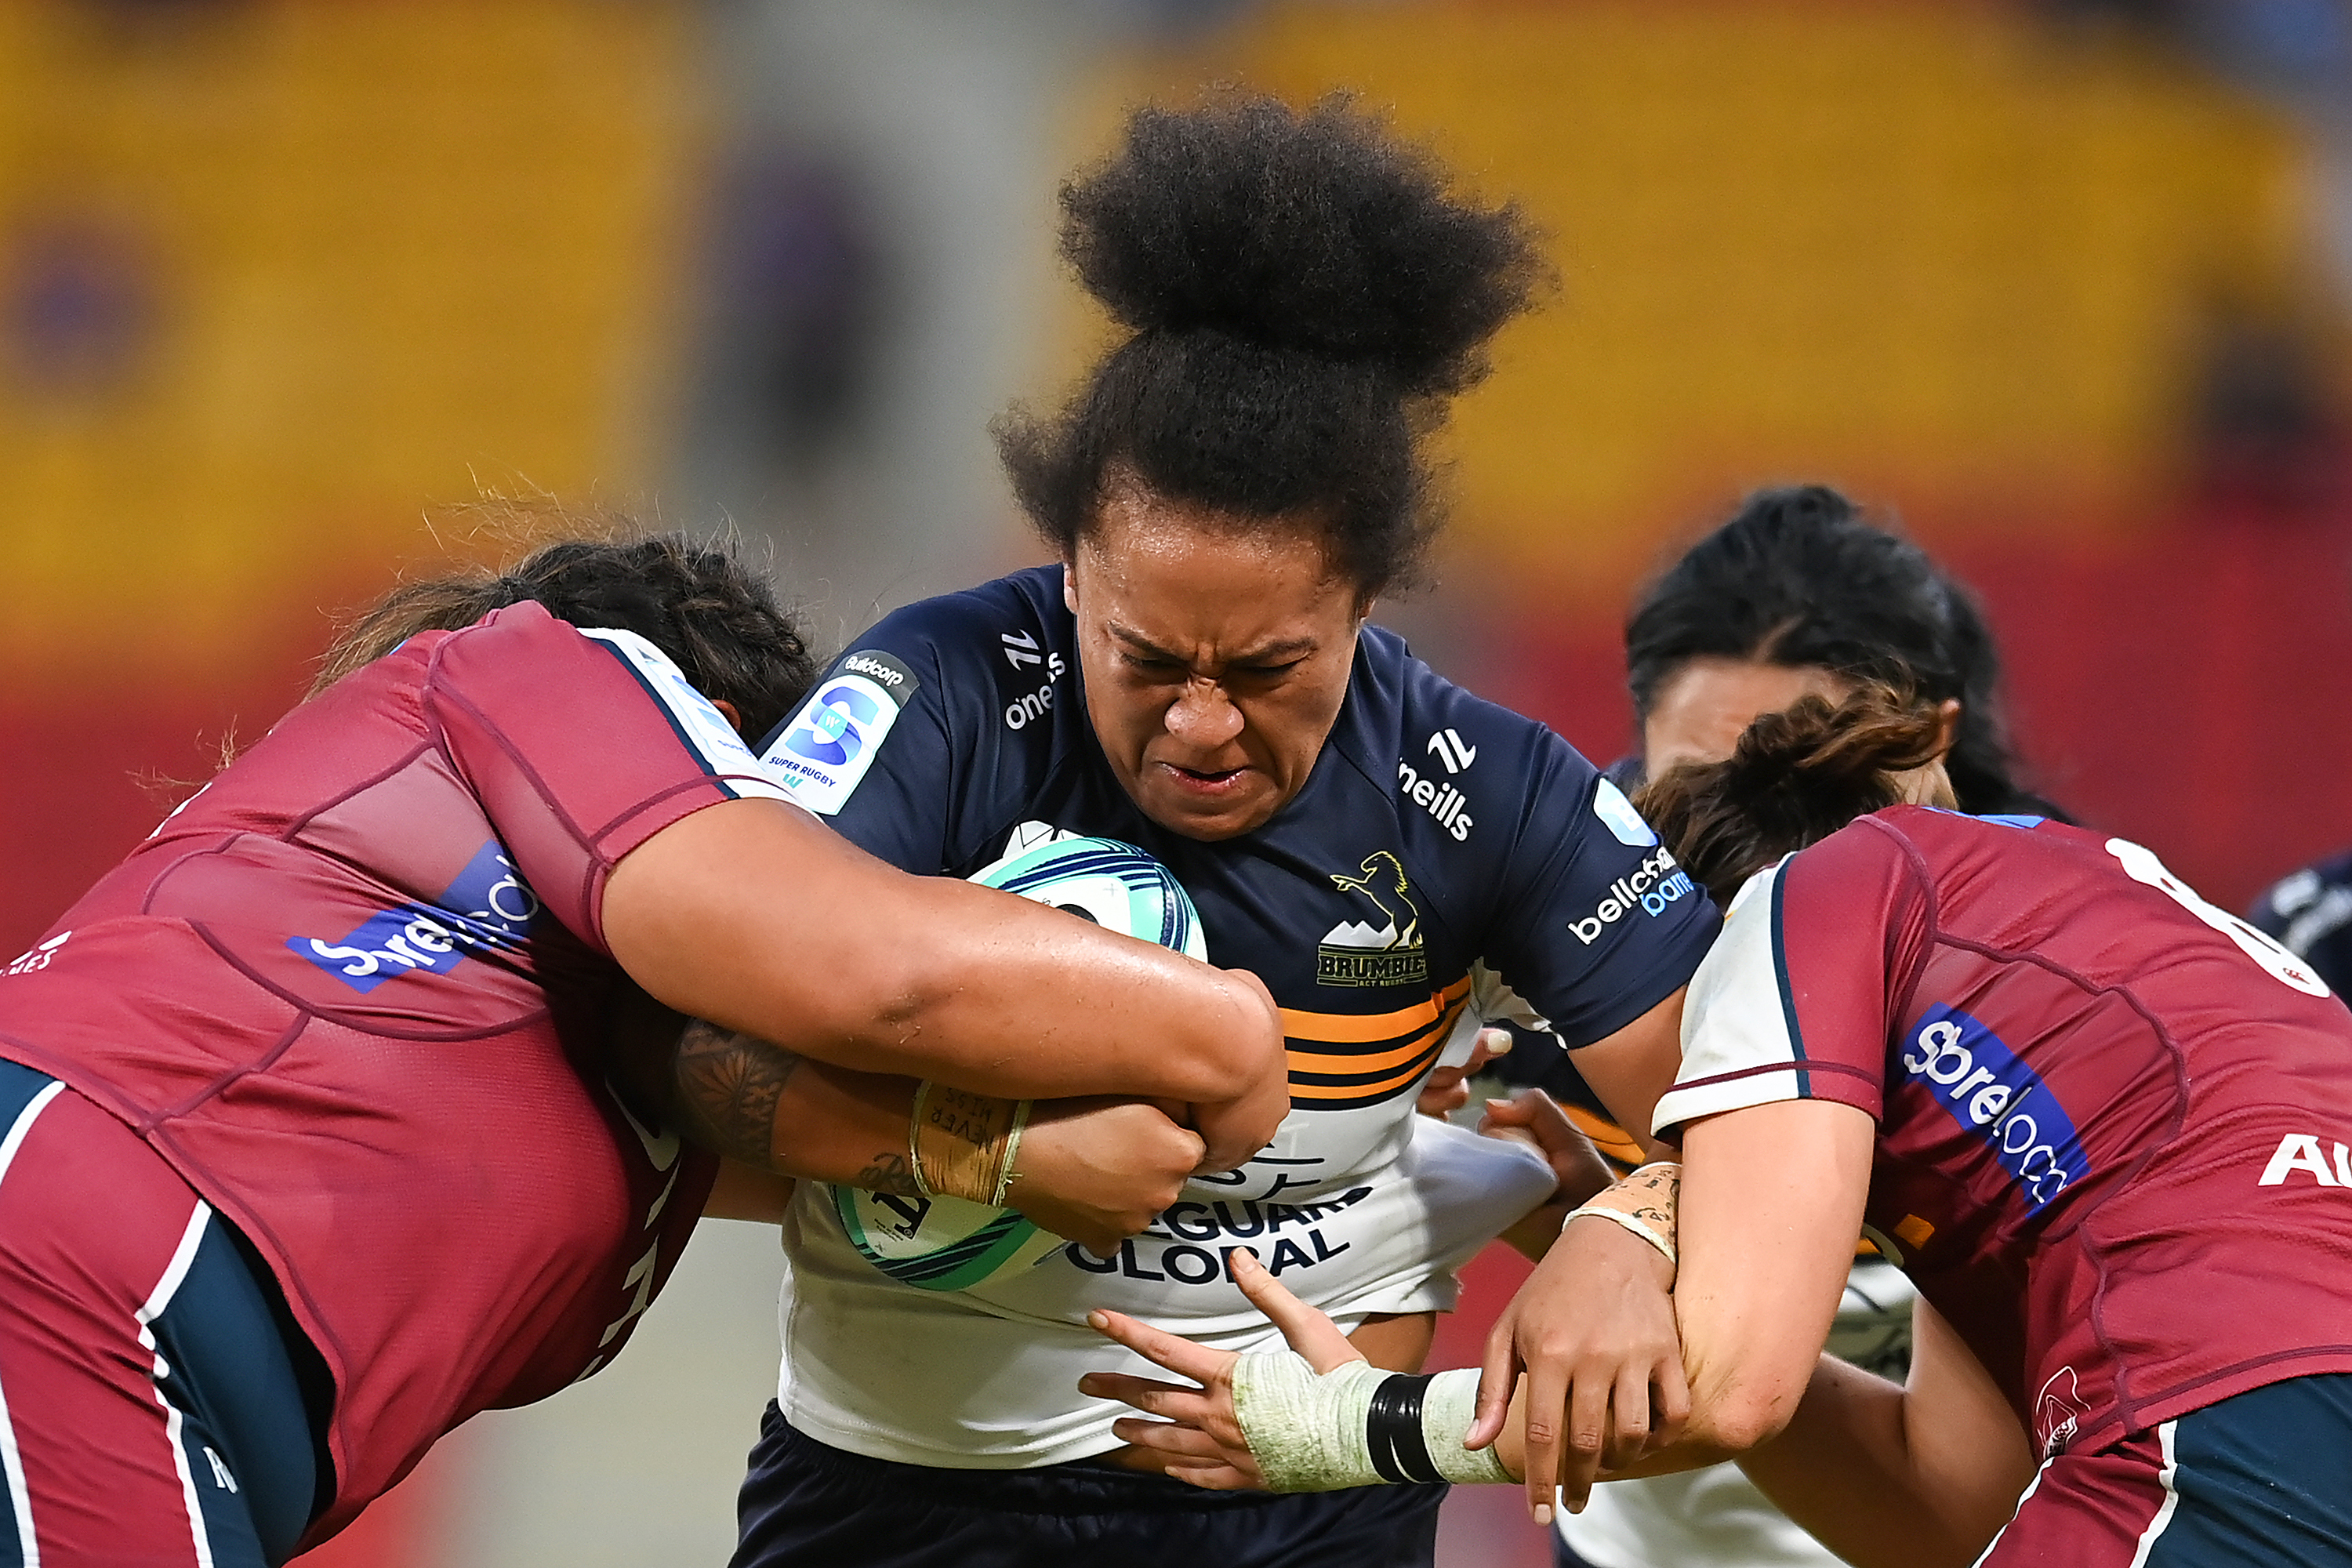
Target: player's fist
(1097, 1169)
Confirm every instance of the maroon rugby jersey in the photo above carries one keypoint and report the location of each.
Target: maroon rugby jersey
(2112, 1119)
(355, 991)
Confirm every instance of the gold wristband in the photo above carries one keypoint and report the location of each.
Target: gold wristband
(1007, 1174)
(962, 1144)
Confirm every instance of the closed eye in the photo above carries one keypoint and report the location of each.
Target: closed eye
(1150, 665)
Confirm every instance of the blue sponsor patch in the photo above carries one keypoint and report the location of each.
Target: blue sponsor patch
(1980, 1083)
(487, 906)
(1617, 814)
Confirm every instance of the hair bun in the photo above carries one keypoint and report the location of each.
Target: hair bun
(1317, 231)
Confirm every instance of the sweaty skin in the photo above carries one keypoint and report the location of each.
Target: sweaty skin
(1215, 660)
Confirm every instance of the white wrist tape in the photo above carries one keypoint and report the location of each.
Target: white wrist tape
(1356, 1426)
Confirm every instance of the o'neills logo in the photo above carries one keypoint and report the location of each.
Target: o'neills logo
(1357, 952)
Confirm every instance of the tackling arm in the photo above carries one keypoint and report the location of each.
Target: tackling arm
(753, 916)
(1090, 1170)
(1918, 1476)
(1771, 1201)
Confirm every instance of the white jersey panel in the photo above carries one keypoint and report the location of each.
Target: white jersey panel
(987, 1378)
(1734, 1029)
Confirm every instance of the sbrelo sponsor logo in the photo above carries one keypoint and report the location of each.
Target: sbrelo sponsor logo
(1358, 953)
(487, 908)
(1998, 1099)
(1649, 888)
(1021, 650)
(1441, 800)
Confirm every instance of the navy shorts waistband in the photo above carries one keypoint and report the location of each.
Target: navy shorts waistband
(1073, 1488)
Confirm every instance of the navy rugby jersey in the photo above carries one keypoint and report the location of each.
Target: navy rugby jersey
(1437, 832)
(2310, 913)
(1448, 860)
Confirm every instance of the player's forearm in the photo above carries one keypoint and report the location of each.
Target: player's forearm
(754, 917)
(1848, 1470)
(752, 1101)
(1771, 1200)
(1008, 997)
(1013, 998)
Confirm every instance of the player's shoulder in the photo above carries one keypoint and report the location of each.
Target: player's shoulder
(1933, 835)
(1003, 650)
(978, 685)
(2324, 885)
(1392, 689)
(523, 630)
(1021, 613)
(1877, 854)
(1447, 752)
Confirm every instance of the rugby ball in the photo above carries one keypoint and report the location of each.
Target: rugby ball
(947, 1243)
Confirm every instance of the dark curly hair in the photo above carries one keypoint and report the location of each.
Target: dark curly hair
(1795, 778)
(1302, 293)
(714, 615)
(1799, 578)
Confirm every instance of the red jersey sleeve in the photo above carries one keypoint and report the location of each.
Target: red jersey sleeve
(580, 746)
(1794, 999)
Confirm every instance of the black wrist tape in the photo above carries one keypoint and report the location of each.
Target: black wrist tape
(1392, 1429)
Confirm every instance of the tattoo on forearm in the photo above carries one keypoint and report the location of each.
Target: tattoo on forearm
(728, 1086)
(889, 1173)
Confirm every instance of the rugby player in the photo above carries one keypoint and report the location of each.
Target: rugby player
(1229, 491)
(346, 1106)
(2093, 1115)
(1795, 595)
(2310, 913)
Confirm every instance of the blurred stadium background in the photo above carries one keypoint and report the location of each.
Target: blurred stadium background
(2063, 286)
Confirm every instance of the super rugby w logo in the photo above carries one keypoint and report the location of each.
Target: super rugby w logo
(823, 752)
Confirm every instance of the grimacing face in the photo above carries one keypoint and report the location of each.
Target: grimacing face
(1215, 660)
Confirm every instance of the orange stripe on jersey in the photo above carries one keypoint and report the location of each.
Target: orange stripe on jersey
(1352, 1094)
(1326, 1061)
(1607, 1136)
(1356, 1029)
(1344, 1078)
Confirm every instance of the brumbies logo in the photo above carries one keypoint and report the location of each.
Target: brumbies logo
(1357, 952)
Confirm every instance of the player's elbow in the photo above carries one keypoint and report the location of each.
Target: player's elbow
(1221, 1064)
(1745, 1417)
